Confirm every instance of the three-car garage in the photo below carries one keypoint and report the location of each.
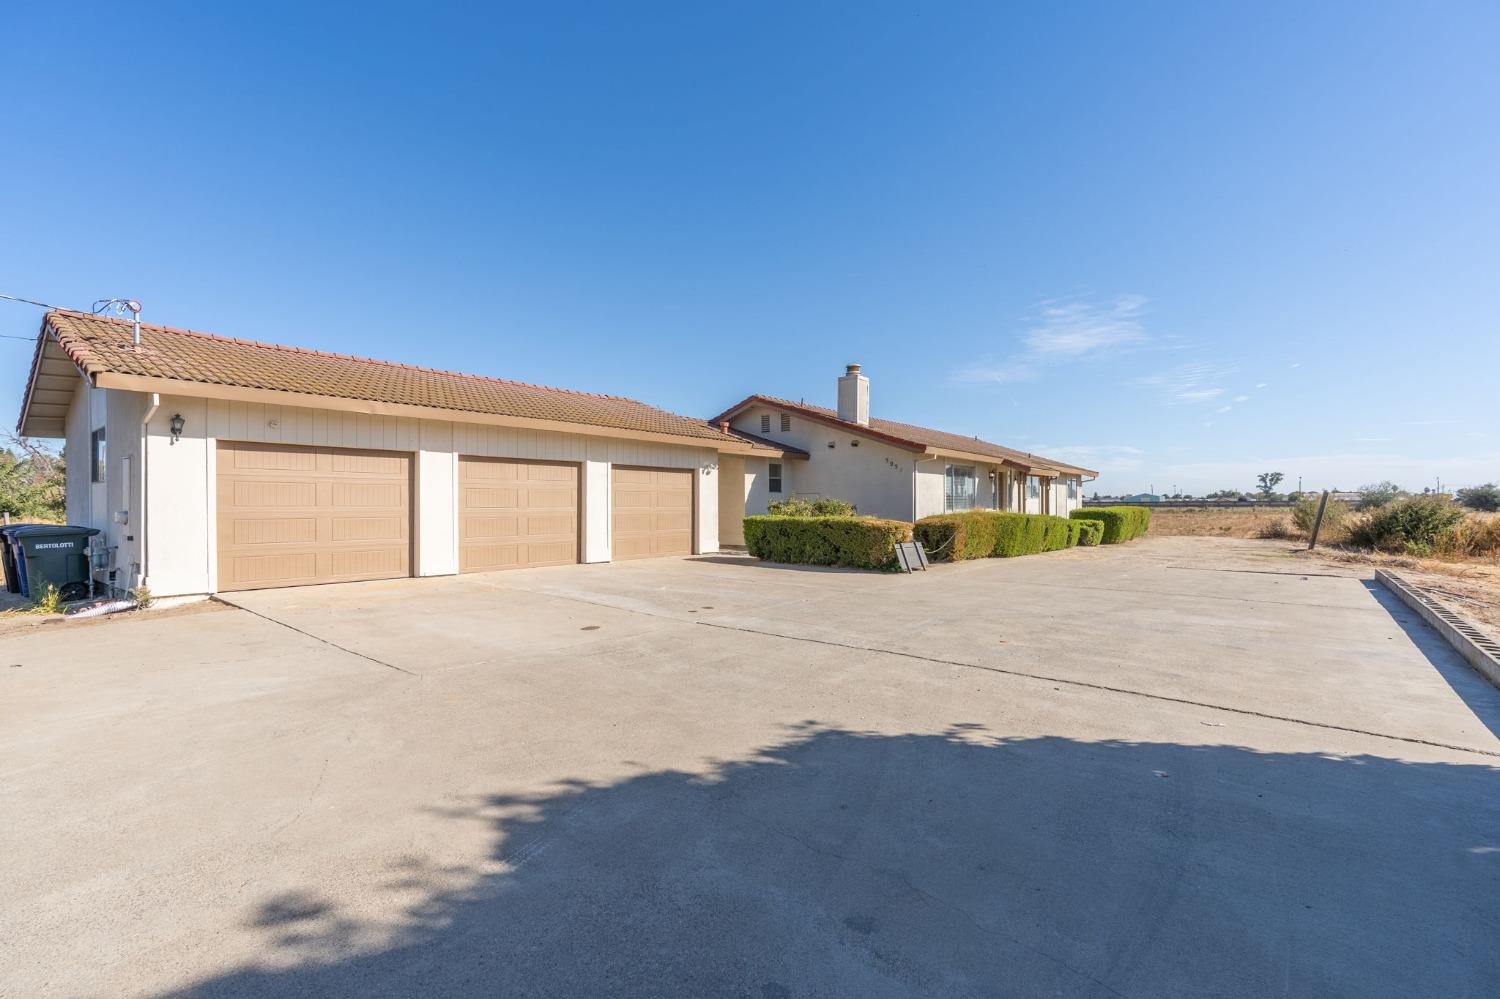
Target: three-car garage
(289, 515)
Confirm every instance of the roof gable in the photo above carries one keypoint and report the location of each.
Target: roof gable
(910, 436)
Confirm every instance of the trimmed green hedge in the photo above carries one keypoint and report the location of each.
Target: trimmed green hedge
(859, 542)
(993, 534)
(1090, 532)
(1121, 523)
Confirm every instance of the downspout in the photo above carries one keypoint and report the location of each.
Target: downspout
(145, 465)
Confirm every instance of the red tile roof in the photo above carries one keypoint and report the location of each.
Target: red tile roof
(910, 436)
(98, 344)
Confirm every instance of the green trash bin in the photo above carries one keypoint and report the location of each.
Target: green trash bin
(55, 554)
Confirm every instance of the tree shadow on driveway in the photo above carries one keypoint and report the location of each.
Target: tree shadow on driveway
(853, 863)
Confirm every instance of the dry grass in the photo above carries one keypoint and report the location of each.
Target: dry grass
(1224, 522)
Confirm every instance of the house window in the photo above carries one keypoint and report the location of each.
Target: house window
(786, 423)
(97, 449)
(773, 479)
(1033, 487)
(1072, 489)
(959, 488)
(765, 423)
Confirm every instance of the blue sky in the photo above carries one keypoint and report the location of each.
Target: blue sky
(1182, 243)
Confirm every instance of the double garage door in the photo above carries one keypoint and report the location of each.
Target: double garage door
(290, 516)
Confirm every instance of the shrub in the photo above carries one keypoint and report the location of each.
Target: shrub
(1485, 497)
(1472, 537)
(859, 542)
(1121, 523)
(1305, 514)
(992, 534)
(824, 506)
(1277, 530)
(1379, 494)
(1413, 525)
(955, 537)
(1090, 532)
(1056, 534)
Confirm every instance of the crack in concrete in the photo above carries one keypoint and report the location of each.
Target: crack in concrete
(307, 634)
(1045, 678)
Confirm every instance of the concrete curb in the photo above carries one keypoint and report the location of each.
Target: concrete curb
(1478, 649)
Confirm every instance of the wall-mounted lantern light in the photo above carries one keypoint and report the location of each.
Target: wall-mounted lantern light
(177, 424)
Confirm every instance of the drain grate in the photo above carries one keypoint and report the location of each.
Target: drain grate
(1478, 648)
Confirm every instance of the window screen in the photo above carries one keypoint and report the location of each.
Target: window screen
(1072, 489)
(774, 477)
(786, 423)
(97, 474)
(959, 488)
(1033, 487)
(765, 423)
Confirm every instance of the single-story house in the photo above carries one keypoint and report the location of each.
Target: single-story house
(884, 468)
(213, 464)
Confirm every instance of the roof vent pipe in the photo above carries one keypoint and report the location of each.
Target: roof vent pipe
(120, 306)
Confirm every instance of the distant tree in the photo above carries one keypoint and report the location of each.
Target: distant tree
(1378, 494)
(1268, 482)
(31, 481)
(1485, 497)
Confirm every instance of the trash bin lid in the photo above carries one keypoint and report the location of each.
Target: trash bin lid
(49, 531)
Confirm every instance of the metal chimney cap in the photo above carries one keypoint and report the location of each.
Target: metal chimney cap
(853, 369)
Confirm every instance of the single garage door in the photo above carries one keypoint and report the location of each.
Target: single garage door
(513, 514)
(652, 512)
(288, 516)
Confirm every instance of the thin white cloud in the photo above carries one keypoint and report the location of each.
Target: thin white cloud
(1101, 457)
(1242, 398)
(1073, 329)
(1187, 383)
(1060, 332)
(1297, 365)
(1223, 409)
(1260, 384)
(1208, 423)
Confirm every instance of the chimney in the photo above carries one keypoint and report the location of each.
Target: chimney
(854, 397)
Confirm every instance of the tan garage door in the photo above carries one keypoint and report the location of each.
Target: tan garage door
(513, 514)
(294, 515)
(653, 512)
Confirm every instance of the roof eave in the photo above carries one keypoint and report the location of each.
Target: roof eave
(28, 423)
(235, 393)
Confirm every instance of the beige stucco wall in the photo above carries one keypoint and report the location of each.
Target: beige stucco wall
(876, 477)
(181, 513)
(733, 487)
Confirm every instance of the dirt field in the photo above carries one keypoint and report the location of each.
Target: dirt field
(1471, 585)
(1217, 523)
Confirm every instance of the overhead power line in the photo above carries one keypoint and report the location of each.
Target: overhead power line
(28, 301)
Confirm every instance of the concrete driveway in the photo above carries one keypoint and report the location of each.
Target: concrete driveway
(1183, 767)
